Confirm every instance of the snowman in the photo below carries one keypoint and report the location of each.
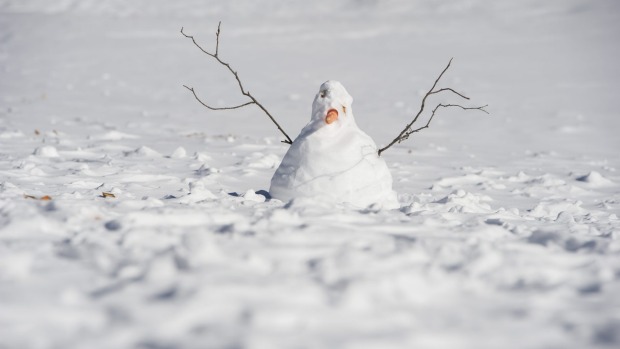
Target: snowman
(333, 160)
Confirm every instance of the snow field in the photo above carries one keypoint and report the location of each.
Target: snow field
(507, 234)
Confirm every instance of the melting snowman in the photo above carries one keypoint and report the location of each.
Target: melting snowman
(332, 159)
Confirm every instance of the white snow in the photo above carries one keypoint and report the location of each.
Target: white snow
(46, 151)
(332, 159)
(595, 179)
(179, 153)
(508, 232)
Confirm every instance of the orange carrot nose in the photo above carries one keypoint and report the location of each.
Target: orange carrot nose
(332, 115)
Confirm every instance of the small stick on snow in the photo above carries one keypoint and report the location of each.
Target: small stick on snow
(407, 131)
(241, 88)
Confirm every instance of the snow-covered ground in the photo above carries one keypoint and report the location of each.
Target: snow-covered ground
(508, 234)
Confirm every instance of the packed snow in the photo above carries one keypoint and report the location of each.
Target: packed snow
(133, 217)
(332, 159)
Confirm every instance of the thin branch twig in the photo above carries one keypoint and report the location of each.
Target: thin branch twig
(241, 88)
(407, 131)
(216, 108)
(449, 89)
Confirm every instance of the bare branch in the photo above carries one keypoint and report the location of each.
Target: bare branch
(451, 90)
(407, 131)
(236, 75)
(481, 108)
(215, 108)
(195, 43)
(217, 38)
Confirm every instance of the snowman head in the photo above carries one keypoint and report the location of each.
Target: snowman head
(332, 106)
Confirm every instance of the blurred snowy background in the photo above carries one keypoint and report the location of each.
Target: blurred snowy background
(508, 231)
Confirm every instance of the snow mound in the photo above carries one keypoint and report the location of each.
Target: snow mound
(552, 209)
(462, 201)
(143, 151)
(179, 153)
(198, 191)
(595, 179)
(46, 151)
(251, 195)
(332, 159)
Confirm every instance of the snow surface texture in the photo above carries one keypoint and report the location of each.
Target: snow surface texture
(334, 161)
(508, 235)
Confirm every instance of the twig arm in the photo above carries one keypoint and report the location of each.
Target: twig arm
(239, 83)
(406, 135)
(407, 131)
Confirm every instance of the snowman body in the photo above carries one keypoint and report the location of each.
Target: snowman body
(332, 159)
